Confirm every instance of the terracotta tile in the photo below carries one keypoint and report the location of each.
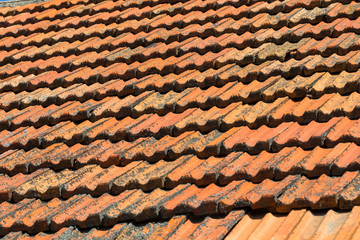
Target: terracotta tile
(291, 221)
(207, 121)
(309, 221)
(156, 102)
(104, 181)
(171, 206)
(99, 129)
(111, 233)
(188, 121)
(148, 208)
(8, 206)
(125, 200)
(347, 160)
(350, 106)
(292, 197)
(281, 112)
(6, 10)
(246, 226)
(207, 172)
(129, 179)
(129, 230)
(324, 231)
(106, 155)
(143, 231)
(44, 186)
(168, 124)
(10, 184)
(61, 132)
(237, 197)
(320, 160)
(19, 18)
(236, 169)
(270, 223)
(5, 188)
(155, 175)
(212, 228)
(274, 163)
(204, 200)
(339, 131)
(330, 192)
(236, 116)
(64, 217)
(349, 196)
(9, 220)
(267, 192)
(260, 167)
(290, 135)
(76, 182)
(82, 155)
(52, 156)
(135, 151)
(181, 174)
(22, 137)
(261, 141)
(185, 230)
(349, 225)
(89, 215)
(231, 138)
(173, 225)
(37, 219)
(186, 143)
(99, 152)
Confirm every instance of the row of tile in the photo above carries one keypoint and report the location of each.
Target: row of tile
(134, 117)
(162, 51)
(153, 125)
(94, 180)
(177, 228)
(298, 224)
(215, 143)
(220, 88)
(34, 215)
(259, 21)
(94, 12)
(63, 31)
(152, 114)
(306, 66)
(106, 52)
(77, 95)
(123, 5)
(150, 39)
(102, 152)
(151, 8)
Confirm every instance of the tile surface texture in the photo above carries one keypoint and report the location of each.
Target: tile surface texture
(192, 119)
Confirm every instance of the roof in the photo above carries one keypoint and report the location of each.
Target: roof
(180, 119)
